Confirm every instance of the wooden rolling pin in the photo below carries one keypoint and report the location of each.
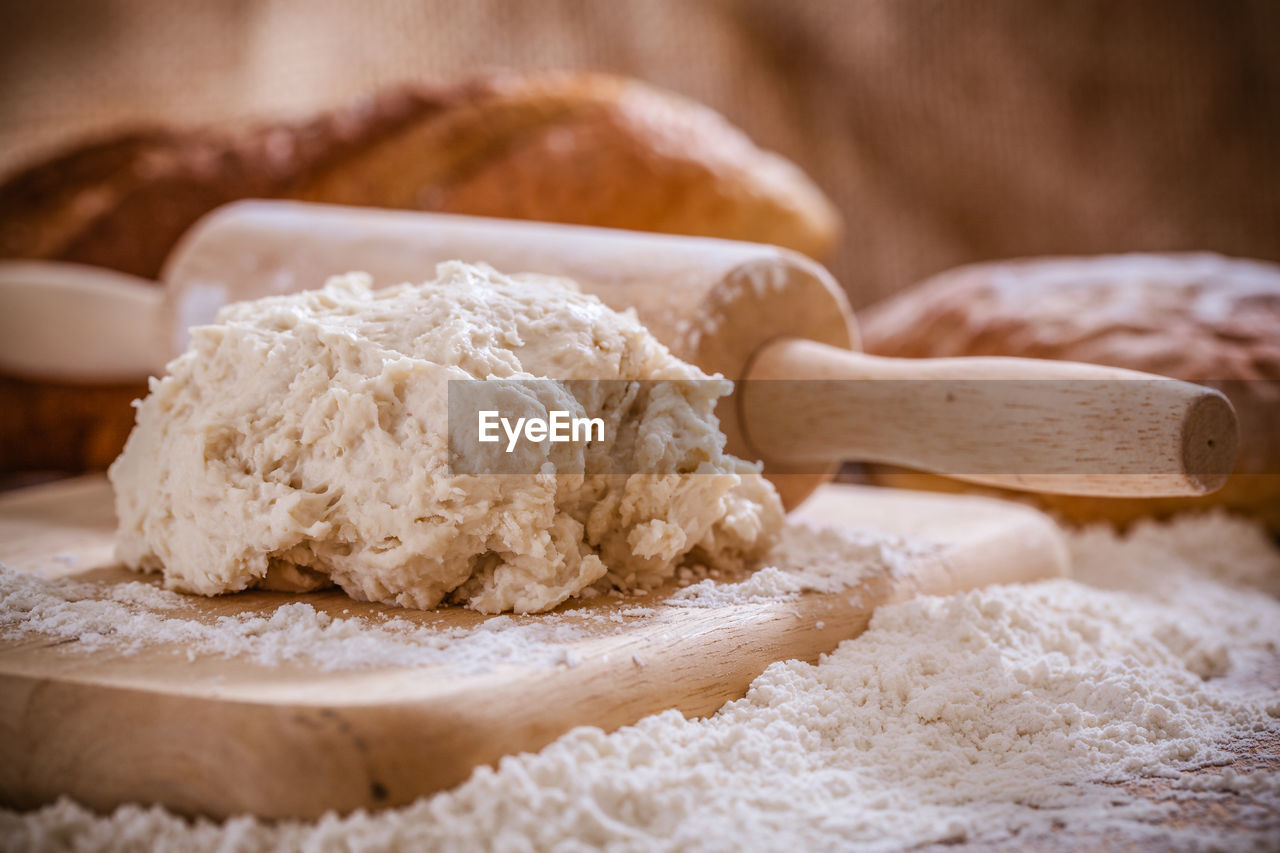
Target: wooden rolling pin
(755, 313)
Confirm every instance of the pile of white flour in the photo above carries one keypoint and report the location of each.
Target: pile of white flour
(1005, 712)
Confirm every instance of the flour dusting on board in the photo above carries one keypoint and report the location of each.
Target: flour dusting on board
(811, 557)
(1007, 714)
(127, 617)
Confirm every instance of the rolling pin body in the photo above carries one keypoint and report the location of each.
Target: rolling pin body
(760, 313)
(753, 312)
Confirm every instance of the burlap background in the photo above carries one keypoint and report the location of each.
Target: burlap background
(946, 130)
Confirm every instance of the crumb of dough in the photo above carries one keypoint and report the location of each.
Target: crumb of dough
(302, 441)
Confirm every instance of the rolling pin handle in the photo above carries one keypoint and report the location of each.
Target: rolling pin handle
(1026, 424)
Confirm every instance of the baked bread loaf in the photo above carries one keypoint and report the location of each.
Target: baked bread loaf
(1199, 317)
(578, 148)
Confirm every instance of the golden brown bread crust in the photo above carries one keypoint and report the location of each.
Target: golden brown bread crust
(123, 202)
(1199, 317)
(580, 148)
(613, 153)
(588, 149)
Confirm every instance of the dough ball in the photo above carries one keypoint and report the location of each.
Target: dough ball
(303, 440)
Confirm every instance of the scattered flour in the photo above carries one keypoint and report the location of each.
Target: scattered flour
(764, 584)
(132, 616)
(995, 714)
(128, 617)
(809, 558)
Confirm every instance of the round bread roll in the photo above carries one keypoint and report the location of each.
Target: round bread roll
(1198, 317)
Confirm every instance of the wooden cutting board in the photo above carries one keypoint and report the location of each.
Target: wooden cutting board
(221, 735)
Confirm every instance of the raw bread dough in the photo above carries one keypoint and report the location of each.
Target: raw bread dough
(302, 440)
